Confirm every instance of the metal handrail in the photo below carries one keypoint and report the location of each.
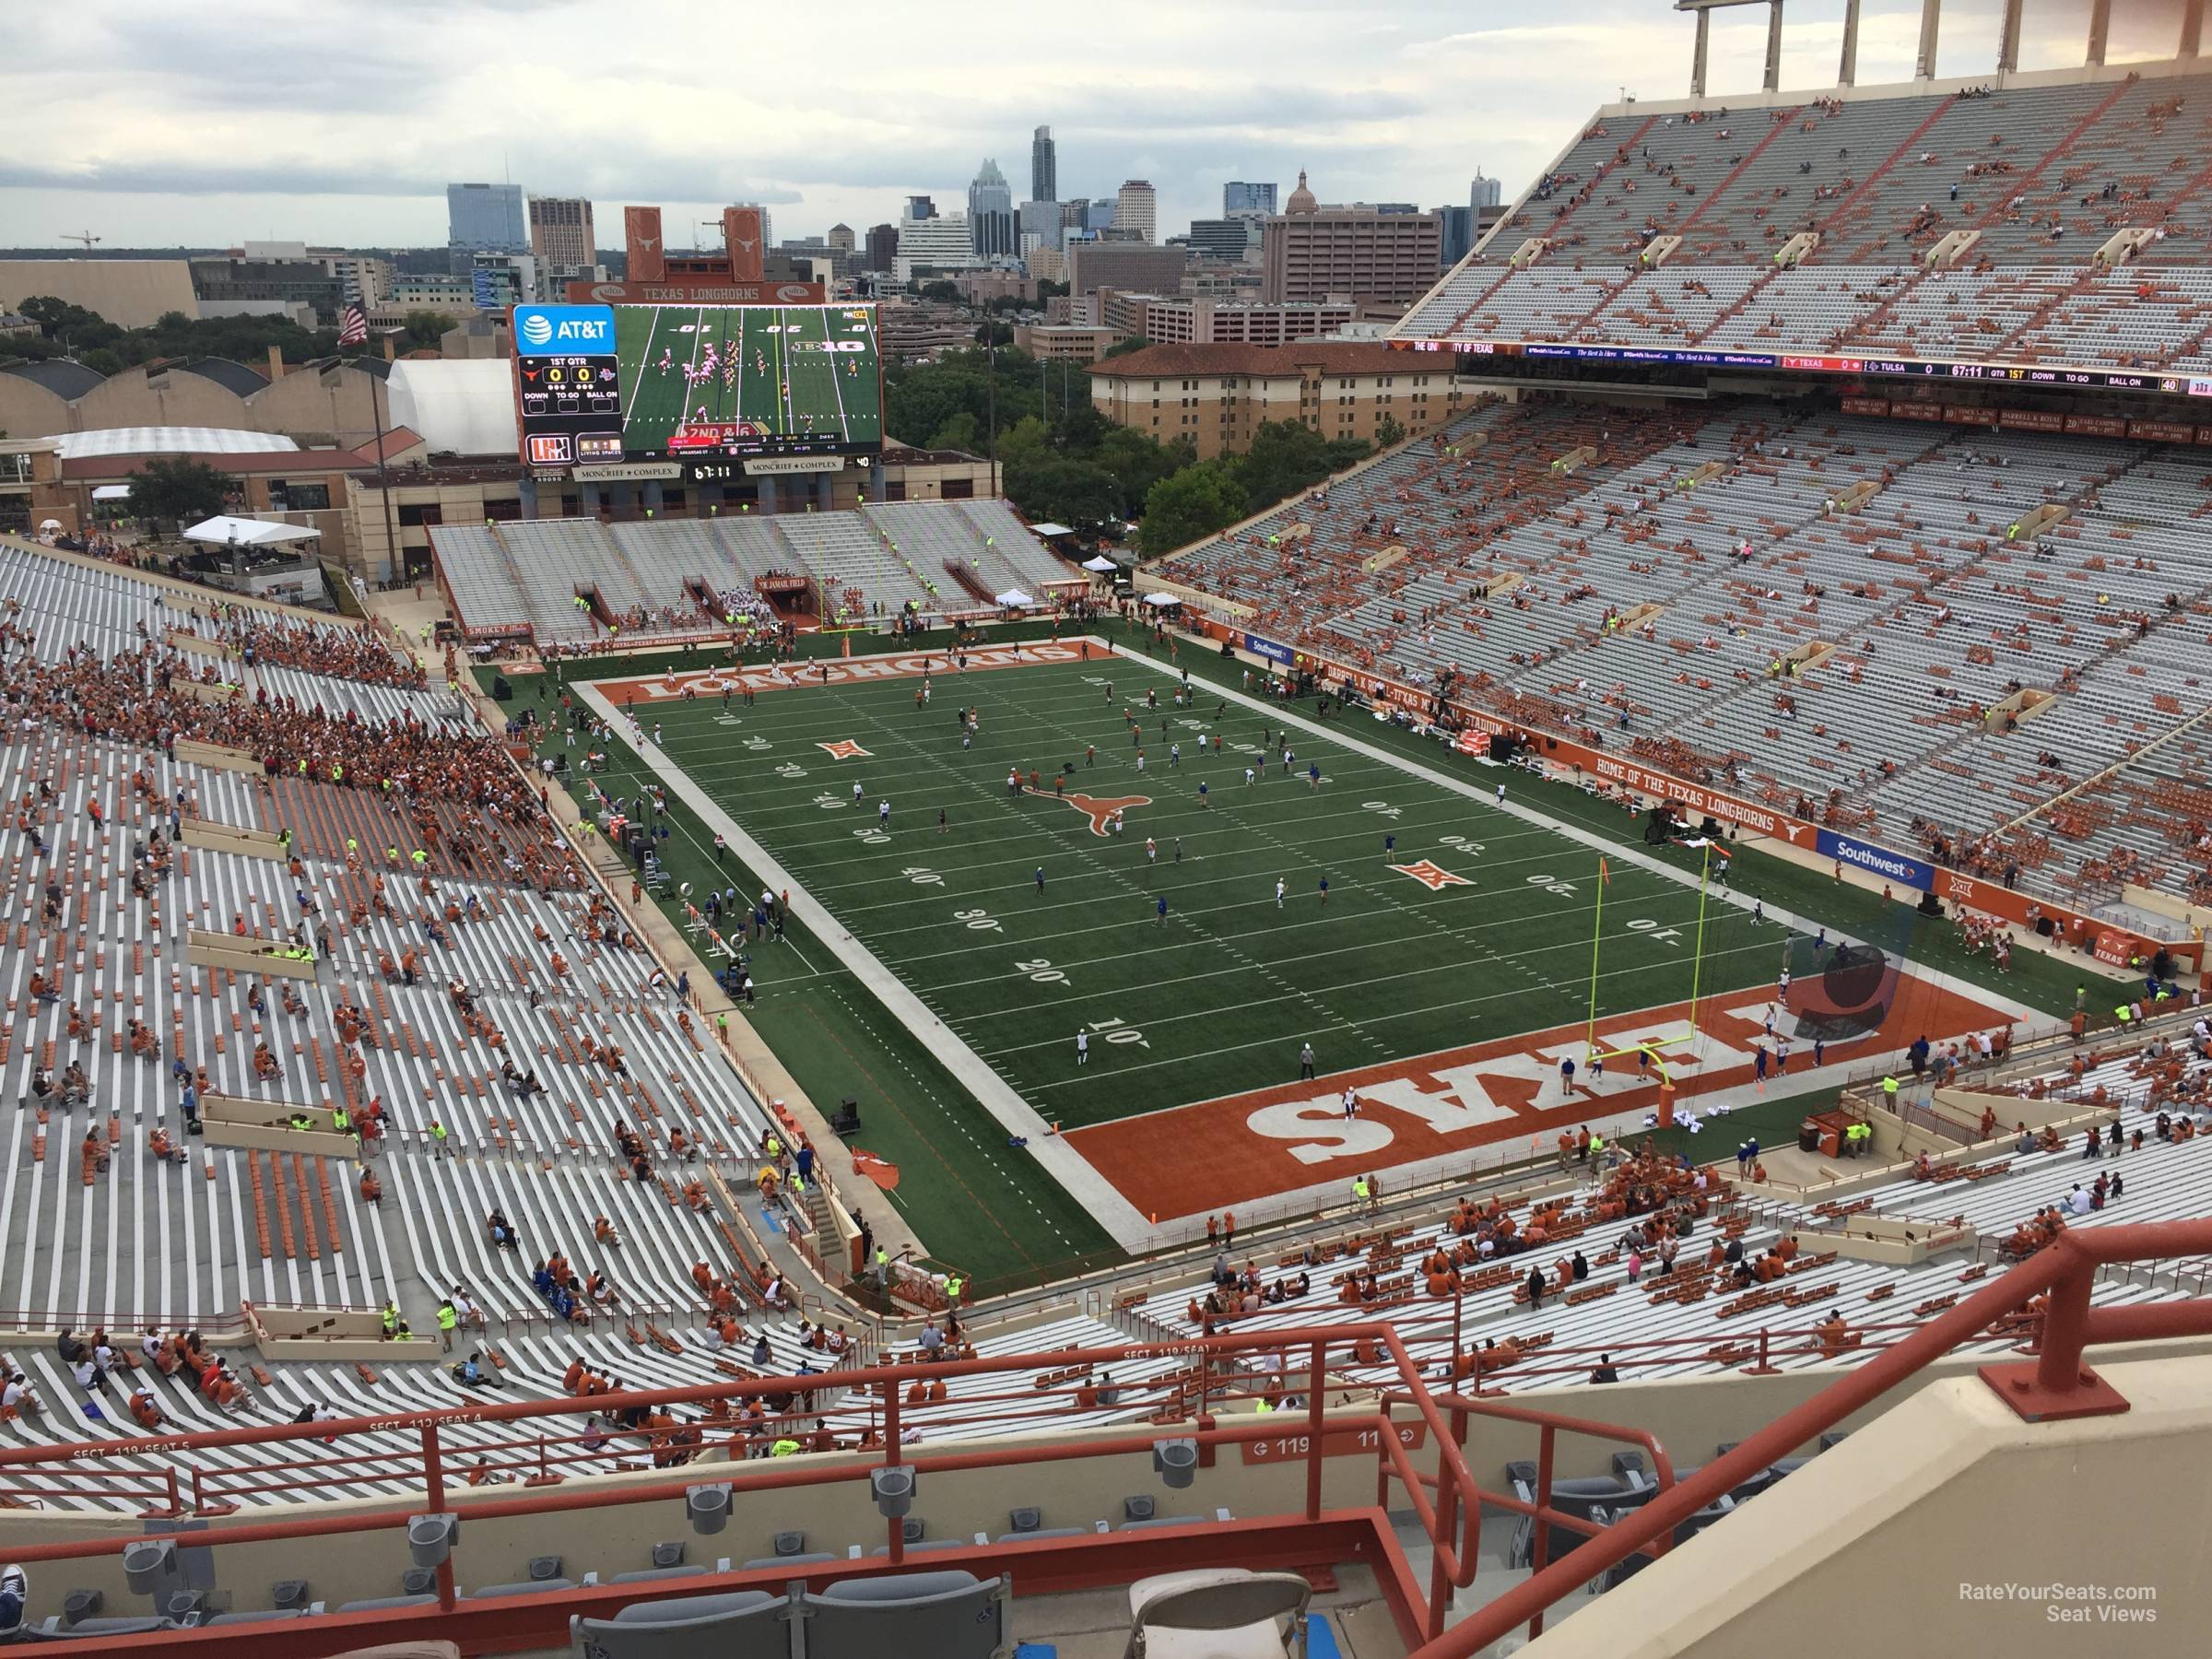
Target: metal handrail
(2054, 1386)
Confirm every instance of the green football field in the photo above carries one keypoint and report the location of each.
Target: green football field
(796, 371)
(1217, 994)
(1385, 946)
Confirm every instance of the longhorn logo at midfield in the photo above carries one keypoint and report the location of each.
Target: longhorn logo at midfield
(1099, 808)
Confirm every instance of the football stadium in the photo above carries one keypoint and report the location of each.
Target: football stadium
(799, 1083)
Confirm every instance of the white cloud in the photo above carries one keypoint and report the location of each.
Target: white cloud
(341, 122)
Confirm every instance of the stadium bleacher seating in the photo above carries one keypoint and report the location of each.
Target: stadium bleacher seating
(452, 939)
(642, 576)
(1929, 619)
(2037, 178)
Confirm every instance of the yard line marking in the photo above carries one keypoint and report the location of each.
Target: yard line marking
(1153, 1022)
(1616, 851)
(1113, 1212)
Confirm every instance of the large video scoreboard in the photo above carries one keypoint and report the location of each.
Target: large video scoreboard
(597, 384)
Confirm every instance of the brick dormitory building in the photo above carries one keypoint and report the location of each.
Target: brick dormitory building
(1219, 396)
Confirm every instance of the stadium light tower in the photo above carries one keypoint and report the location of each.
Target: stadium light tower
(2009, 39)
(1705, 10)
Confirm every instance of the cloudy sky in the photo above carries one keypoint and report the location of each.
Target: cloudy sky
(341, 122)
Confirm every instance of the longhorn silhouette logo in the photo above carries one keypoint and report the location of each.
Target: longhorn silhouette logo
(1099, 808)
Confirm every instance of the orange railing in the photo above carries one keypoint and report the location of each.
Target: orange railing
(2053, 1386)
(1393, 1420)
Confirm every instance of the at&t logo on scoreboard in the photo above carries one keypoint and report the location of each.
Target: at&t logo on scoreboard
(557, 330)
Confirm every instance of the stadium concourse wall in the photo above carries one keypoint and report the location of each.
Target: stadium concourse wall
(2111, 945)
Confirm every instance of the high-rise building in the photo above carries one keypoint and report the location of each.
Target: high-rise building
(560, 230)
(1312, 253)
(484, 218)
(1042, 220)
(939, 244)
(991, 212)
(499, 280)
(883, 247)
(1484, 193)
(1238, 196)
(920, 207)
(1221, 238)
(1136, 208)
(840, 239)
(1093, 266)
(1044, 166)
(1458, 225)
(1099, 213)
(362, 276)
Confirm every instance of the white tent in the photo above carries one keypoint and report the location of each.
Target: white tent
(465, 406)
(1102, 564)
(225, 531)
(1161, 600)
(1015, 599)
(1053, 529)
(110, 492)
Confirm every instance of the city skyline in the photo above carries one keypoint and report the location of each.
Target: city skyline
(263, 130)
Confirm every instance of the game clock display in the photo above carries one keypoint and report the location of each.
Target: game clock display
(571, 409)
(695, 383)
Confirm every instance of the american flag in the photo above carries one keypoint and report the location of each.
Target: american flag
(353, 328)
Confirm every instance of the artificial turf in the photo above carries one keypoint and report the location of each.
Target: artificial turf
(1221, 994)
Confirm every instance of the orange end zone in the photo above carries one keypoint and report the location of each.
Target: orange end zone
(1194, 1160)
(846, 671)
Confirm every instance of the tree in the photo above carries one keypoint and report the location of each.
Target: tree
(70, 324)
(1139, 460)
(927, 395)
(1286, 457)
(1026, 438)
(1134, 343)
(178, 488)
(1049, 486)
(426, 328)
(959, 432)
(944, 291)
(1192, 503)
(1388, 432)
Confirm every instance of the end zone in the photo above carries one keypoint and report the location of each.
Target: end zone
(677, 684)
(1420, 1119)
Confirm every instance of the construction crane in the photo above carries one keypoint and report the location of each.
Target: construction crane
(82, 236)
